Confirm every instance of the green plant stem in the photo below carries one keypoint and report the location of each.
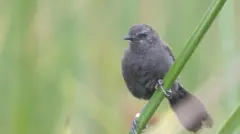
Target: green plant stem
(231, 123)
(180, 62)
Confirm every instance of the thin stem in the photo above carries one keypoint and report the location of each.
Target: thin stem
(231, 123)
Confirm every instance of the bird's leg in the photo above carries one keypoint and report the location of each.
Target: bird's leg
(167, 93)
(134, 123)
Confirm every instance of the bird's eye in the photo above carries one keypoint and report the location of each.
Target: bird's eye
(142, 35)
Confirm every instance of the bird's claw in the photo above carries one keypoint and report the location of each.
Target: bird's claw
(134, 124)
(133, 127)
(167, 93)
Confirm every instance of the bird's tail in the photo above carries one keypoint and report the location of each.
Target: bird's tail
(190, 110)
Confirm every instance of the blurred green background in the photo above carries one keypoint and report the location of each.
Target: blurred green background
(60, 64)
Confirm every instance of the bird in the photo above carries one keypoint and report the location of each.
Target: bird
(145, 62)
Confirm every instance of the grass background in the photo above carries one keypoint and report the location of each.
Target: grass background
(60, 64)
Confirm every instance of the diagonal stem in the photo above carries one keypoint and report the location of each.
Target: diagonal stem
(231, 123)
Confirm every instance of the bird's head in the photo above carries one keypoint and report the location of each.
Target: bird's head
(141, 33)
(142, 36)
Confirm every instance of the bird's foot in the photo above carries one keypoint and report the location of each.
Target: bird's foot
(167, 93)
(134, 124)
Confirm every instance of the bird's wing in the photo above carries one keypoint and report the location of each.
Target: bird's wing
(168, 49)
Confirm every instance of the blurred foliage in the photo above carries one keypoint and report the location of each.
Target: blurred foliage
(60, 63)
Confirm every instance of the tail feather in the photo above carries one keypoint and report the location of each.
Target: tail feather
(190, 110)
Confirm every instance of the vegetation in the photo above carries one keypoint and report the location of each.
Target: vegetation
(60, 64)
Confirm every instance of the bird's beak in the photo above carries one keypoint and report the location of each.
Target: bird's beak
(128, 38)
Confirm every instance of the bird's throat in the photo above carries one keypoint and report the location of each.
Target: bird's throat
(138, 47)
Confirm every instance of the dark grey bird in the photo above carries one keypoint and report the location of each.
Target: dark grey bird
(144, 65)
